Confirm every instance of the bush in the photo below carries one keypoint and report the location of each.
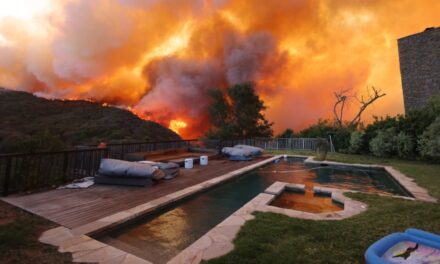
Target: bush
(340, 135)
(384, 144)
(429, 141)
(356, 142)
(405, 146)
(379, 124)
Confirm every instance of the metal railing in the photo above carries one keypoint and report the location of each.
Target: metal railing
(270, 143)
(29, 171)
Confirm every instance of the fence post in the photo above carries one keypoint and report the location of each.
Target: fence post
(5, 191)
(65, 166)
(106, 151)
(122, 152)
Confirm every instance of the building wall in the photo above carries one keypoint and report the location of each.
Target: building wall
(419, 56)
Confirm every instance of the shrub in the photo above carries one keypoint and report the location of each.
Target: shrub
(379, 124)
(384, 145)
(356, 142)
(429, 141)
(405, 145)
(322, 129)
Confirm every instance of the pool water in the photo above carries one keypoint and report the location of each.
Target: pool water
(160, 236)
(307, 201)
(340, 177)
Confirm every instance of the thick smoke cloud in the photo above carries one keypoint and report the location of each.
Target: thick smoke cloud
(160, 57)
(179, 86)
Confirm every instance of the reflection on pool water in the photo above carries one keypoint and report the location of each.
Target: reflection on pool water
(160, 236)
(307, 201)
(340, 177)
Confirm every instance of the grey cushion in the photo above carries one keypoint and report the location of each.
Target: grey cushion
(120, 168)
(236, 152)
(131, 181)
(112, 167)
(255, 151)
(140, 170)
(169, 169)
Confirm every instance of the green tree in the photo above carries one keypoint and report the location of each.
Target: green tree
(238, 113)
(288, 133)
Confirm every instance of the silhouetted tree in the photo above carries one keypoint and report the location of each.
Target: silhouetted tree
(238, 113)
(342, 98)
(288, 133)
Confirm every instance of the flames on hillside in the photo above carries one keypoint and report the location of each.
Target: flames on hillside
(159, 58)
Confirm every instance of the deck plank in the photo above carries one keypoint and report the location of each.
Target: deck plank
(75, 207)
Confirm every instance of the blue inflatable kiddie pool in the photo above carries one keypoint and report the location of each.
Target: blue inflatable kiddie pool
(414, 246)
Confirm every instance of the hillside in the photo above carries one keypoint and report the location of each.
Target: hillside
(30, 123)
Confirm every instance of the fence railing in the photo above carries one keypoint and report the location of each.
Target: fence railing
(271, 143)
(29, 171)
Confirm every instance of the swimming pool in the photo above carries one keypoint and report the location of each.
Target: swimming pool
(159, 236)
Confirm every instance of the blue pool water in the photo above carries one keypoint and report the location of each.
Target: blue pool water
(160, 236)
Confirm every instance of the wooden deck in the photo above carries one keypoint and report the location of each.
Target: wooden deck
(75, 207)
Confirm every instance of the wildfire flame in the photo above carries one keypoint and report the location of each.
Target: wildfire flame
(177, 125)
(159, 58)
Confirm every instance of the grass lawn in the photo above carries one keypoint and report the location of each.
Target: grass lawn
(274, 238)
(19, 232)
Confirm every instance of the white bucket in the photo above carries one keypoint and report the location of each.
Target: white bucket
(189, 163)
(204, 160)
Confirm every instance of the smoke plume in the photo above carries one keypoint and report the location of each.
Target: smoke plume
(159, 58)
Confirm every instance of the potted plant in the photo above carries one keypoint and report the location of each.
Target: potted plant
(322, 148)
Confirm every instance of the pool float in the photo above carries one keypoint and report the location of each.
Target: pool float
(413, 246)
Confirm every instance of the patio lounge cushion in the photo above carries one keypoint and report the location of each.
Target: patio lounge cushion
(239, 158)
(170, 169)
(141, 170)
(236, 152)
(255, 151)
(130, 181)
(121, 168)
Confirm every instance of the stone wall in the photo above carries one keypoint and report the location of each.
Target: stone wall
(419, 56)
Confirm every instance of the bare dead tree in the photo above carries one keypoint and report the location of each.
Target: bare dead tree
(341, 100)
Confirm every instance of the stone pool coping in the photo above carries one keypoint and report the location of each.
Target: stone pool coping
(217, 241)
(84, 248)
(406, 182)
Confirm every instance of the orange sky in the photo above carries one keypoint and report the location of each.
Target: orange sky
(159, 57)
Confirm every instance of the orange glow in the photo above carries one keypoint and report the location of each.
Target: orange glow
(23, 9)
(177, 126)
(158, 59)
